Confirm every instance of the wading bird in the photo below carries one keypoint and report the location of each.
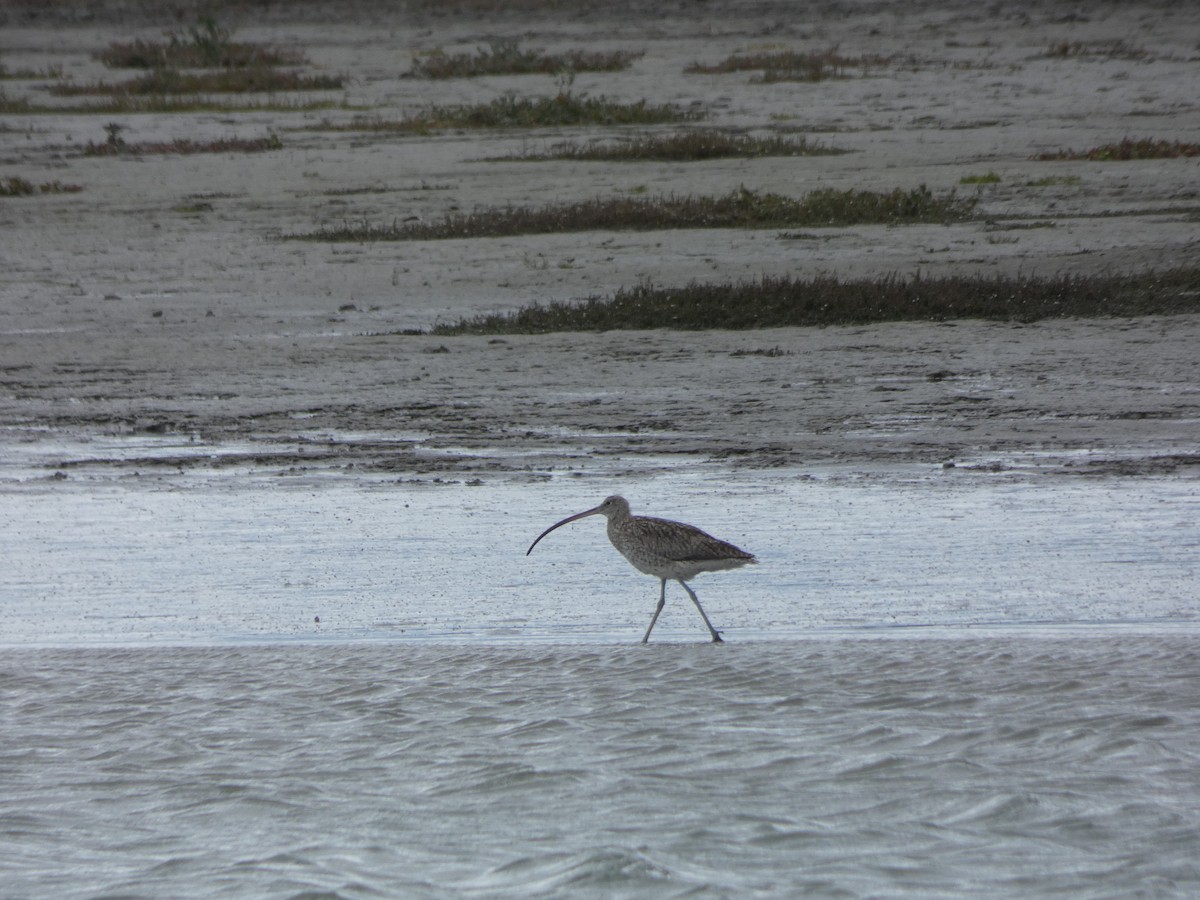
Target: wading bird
(662, 548)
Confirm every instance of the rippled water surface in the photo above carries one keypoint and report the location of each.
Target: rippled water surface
(1004, 766)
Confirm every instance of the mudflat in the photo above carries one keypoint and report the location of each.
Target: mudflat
(166, 299)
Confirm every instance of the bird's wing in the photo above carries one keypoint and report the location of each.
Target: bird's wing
(683, 543)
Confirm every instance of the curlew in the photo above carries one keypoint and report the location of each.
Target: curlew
(670, 551)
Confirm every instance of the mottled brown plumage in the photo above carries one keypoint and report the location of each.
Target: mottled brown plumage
(662, 548)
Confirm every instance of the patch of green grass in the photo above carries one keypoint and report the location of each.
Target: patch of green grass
(769, 352)
(22, 187)
(170, 103)
(686, 146)
(511, 111)
(1051, 180)
(117, 146)
(1009, 225)
(194, 208)
(14, 104)
(505, 57)
(790, 65)
(205, 45)
(740, 209)
(351, 192)
(1128, 149)
(1115, 49)
(385, 189)
(827, 300)
(168, 82)
(50, 72)
(986, 178)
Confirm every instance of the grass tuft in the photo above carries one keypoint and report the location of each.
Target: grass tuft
(206, 45)
(687, 146)
(164, 82)
(50, 72)
(170, 103)
(1128, 149)
(15, 104)
(505, 57)
(1115, 49)
(1052, 180)
(511, 111)
(116, 146)
(790, 65)
(986, 178)
(21, 187)
(827, 300)
(742, 208)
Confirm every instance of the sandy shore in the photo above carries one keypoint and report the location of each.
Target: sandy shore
(158, 303)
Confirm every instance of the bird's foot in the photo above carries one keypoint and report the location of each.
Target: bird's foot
(717, 639)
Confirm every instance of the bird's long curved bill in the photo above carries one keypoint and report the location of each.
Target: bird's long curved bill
(568, 519)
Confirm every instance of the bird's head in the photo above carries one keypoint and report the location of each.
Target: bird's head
(614, 505)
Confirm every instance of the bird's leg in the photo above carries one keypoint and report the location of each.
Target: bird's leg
(662, 598)
(716, 638)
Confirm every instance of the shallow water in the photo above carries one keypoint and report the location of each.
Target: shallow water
(1005, 766)
(234, 559)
